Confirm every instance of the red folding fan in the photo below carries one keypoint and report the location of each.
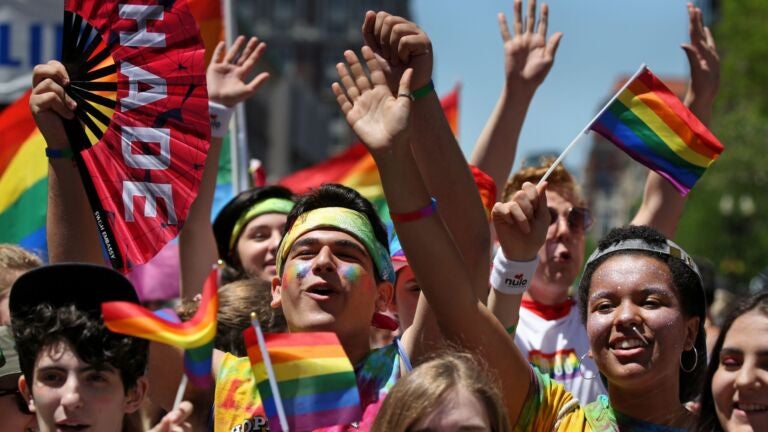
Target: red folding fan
(141, 133)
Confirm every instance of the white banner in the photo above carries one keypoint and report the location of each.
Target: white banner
(30, 33)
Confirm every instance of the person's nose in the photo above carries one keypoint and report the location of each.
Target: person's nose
(324, 262)
(72, 397)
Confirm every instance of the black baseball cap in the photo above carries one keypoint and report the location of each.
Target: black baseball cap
(86, 286)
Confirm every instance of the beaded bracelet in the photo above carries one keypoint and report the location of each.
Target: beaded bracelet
(423, 212)
(423, 91)
(65, 153)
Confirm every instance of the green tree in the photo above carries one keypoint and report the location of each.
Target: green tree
(726, 218)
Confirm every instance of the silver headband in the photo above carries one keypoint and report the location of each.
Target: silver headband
(669, 248)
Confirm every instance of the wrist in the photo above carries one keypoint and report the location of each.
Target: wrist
(512, 277)
(220, 116)
(518, 90)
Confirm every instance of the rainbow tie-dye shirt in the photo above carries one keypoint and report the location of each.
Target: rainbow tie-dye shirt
(552, 408)
(237, 403)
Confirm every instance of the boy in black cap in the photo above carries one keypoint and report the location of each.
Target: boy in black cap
(76, 374)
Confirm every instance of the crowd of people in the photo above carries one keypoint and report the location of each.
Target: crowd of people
(458, 317)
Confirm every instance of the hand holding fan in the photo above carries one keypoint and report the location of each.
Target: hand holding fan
(141, 133)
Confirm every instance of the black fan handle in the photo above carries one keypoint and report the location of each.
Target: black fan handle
(79, 142)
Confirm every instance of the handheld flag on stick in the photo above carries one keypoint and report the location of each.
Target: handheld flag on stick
(649, 123)
(194, 336)
(316, 382)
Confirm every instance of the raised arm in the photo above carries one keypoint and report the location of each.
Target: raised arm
(381, 121)
(71, 228)
(662, 205)
(227, 86)
(519, 223)
(401, 44)
(528, 57)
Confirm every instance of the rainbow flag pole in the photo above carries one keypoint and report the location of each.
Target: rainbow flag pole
(589, 125)
(270, 372)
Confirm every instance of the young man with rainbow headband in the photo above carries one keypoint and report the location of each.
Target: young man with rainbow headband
(335, 275)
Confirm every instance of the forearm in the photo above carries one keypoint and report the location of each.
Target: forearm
(197, 244)
(496, 147)
(448, 179)
(71, 228)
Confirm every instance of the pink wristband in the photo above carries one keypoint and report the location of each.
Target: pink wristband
(423, 212)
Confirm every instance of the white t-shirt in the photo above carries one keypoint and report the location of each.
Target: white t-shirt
(553, 339)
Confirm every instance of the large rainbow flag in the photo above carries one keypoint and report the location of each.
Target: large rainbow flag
(316, 381)
(23, 178)
(652, 125)
(194, 336)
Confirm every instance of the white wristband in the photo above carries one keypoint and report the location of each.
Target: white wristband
(220, 116)
(512, 277)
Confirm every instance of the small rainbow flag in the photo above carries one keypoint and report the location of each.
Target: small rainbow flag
(316, 381)
(194, 336)
(648, 122)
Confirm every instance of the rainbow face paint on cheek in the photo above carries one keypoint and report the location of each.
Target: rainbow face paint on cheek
(301, 270)
(295, 270)
(351, 272)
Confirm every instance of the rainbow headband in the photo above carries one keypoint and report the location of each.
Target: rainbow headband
(269, 205)
(343, 219)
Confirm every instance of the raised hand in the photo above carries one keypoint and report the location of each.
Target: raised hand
(176, 420)
(521, 223)
(49, 102)
(528, 55)
(399, 44)
(229, 69)
(379, 118)
(702, 59)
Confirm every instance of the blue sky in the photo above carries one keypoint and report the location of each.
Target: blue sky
(603, 39)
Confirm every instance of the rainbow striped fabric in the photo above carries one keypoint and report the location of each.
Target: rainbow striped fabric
(652, 125)
(317, 383)
(23, 178)
(194, 336)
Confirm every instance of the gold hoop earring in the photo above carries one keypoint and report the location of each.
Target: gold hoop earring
(695, 361)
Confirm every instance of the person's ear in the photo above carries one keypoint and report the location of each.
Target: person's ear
(135, 395)
(26, 392)
(385, 292)
(277, 290)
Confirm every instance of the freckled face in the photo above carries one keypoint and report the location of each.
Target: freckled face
(740, 384)
(631, 293)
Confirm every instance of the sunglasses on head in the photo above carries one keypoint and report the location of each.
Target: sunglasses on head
(20, 402)
(579, 218)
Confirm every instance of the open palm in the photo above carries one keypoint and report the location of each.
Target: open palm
(228, 71)
(379, 118)
(528, 55)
